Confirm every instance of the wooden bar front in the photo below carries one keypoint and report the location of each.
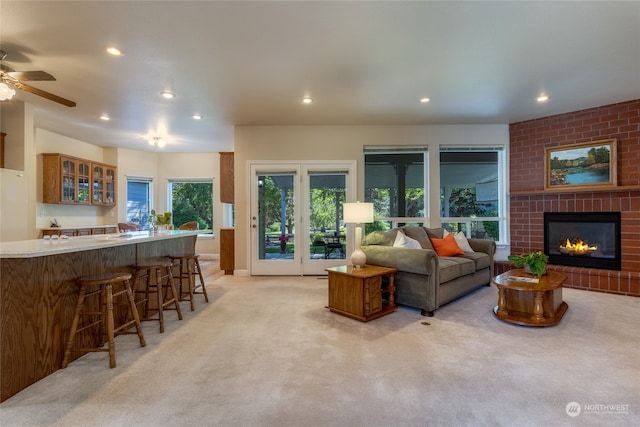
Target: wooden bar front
(38, 296)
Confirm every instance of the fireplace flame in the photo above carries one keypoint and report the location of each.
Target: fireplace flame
(577, 248)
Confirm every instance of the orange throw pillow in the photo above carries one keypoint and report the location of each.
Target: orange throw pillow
(446, 246)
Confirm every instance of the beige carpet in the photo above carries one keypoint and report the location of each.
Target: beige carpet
(265, 352)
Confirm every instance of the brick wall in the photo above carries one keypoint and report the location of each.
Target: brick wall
(529, 201)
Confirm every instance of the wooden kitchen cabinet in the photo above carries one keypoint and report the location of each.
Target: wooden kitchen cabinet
(226, 178)
(227, 250)
(71, 180)
(65, 179)
(103, 191)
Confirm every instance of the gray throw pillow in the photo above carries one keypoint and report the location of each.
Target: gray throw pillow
(438, 233)
(419, 234)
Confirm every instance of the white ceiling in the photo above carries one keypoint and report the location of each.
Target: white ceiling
(250, 63)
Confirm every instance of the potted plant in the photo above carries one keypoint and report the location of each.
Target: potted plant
(534, 262)
(283, 243)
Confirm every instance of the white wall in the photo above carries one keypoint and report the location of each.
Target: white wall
(17, 180)
(13, 186)
(342, 143)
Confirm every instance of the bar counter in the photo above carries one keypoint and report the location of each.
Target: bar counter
(38, 293)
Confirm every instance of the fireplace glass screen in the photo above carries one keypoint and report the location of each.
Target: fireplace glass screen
(589, 240)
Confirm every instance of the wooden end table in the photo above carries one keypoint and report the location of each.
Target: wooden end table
(357, 293)
(527, 303)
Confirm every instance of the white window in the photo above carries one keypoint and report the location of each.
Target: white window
(395, 182)
(139, 191)
(472, 191)
(191, 200)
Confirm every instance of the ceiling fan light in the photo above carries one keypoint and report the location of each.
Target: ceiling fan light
(6, 92)
(158, 141)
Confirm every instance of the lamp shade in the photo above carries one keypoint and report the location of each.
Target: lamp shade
(358, 213)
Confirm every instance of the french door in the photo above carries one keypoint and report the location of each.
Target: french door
(296, 216)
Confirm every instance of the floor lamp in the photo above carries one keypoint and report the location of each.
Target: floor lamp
(358, 213)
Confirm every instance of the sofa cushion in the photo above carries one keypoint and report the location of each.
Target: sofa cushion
(462, 242)
(383, 238)
(481, 259)
(438, 233)
(446, 246)
(419, 234)
(403, 241)
(454, 267)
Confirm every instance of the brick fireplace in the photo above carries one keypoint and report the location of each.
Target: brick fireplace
(529, 201)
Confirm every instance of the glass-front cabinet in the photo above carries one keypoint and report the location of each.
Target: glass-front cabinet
(71, 180)
(104, 185)
(83, 182)
(65, 179)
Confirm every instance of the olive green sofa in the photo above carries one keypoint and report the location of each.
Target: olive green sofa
(425, 280)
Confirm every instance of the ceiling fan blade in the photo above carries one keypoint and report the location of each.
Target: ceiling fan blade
(44, 94)
(23, 76)
(6, 68)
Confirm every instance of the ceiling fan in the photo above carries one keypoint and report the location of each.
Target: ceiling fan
(15, 79)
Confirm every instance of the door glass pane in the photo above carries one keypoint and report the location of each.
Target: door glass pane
(326, 227)
(83, 183)
(111, 186)
(276, 222)
(98, 184)
(68, 181)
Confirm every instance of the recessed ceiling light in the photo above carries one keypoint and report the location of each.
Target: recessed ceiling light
(197, 117)
(105, 118)
(167, 94)
(114, 51)
(542, 98)
(307, 100)
(424, 100)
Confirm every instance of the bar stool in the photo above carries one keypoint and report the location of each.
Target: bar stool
(102, 287)
(187, 267)
(157, 279)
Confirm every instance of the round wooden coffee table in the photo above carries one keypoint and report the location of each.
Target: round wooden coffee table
(525, 299)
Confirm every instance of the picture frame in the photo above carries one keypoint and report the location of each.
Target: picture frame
(584, 166)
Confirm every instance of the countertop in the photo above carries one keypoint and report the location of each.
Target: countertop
(44, 247)
(83, 227)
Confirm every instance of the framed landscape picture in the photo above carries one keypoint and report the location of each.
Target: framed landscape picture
(590, 165)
